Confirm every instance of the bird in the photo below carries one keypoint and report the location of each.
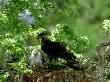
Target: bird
(36, 58)
(56, 50)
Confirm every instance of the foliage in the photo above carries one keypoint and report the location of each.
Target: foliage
(106, 25)
(21, 68)
(4, 76)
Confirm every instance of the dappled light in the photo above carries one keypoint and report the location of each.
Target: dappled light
(54, 41)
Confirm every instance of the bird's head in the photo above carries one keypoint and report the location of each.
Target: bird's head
(43, 36)
(41, 32)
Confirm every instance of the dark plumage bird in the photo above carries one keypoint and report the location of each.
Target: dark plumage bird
(58, 50)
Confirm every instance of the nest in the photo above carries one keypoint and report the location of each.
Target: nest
(64, 75)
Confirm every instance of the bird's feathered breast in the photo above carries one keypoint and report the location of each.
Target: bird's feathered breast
(52, 48)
